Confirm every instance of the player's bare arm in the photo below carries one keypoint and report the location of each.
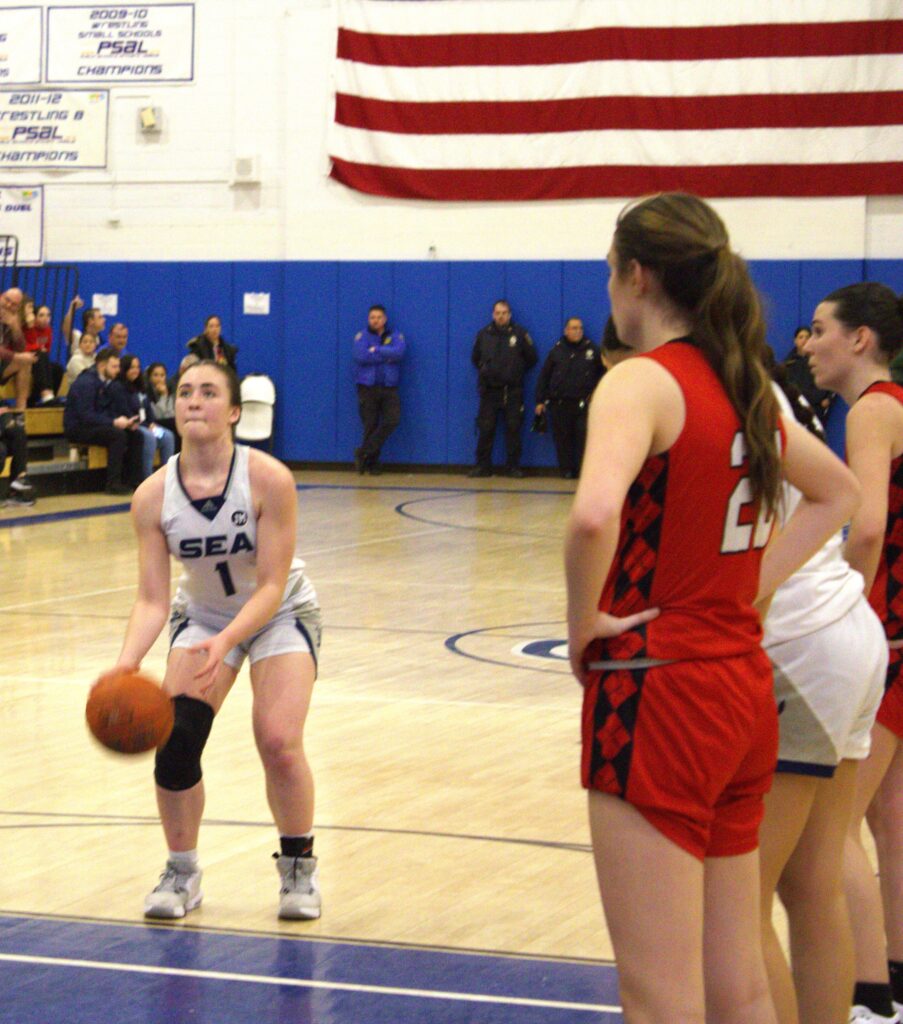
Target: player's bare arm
(873, 424)
(830, 496)
(151, 608)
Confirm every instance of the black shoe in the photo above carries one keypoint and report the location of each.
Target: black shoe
(374, 469)
(18, 501)
(359, 461)
(118, 489)
(516, 472)
(480, 471)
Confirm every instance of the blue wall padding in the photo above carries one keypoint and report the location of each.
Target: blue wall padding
(318, 306)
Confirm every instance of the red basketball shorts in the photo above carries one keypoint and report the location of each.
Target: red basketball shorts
(890, 714)
(692, 745)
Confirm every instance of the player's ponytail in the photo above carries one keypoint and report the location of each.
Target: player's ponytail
(683, 240)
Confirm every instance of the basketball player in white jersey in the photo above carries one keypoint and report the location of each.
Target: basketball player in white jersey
(829, 654)
(228, 514)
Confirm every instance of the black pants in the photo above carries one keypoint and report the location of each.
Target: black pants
(510, 403)
(380, 409)
(123, 447)
(14, 444)
(569, 418)
(45, 376)
(170, 424)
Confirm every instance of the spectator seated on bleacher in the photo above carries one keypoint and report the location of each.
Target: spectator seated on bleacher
(130, 399)
(119, 338)
(93, 322)
(14, 445)
(46, 376)
(162, 397)
(15, 362)
(89, 419)
(83, 358)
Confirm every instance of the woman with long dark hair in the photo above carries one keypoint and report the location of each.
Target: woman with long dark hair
(130, 398)
(856, 332)
(664, 560)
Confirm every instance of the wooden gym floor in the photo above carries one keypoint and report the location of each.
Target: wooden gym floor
(444, 737)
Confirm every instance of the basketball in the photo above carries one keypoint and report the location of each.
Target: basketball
(129, 713)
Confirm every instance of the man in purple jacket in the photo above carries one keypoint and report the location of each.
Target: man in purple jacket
(378, 352)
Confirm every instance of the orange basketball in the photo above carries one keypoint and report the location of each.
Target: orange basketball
(129, 713)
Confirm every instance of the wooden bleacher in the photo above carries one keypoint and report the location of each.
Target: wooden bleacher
(60, 465)
(55, 465)
(44, 426)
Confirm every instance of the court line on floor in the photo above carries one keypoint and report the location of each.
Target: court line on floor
(321, 697)
(38, 518)
(335, 986)
(401, 509)
(137, 819)
(69, 597)
(439, 489)
(385, 539)
(322, 938)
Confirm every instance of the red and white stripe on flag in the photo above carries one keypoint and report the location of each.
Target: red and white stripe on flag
(571, 99)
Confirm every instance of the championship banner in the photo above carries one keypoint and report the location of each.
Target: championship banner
(21, 43)
(115, 44)
(22, 215)
(60, 130)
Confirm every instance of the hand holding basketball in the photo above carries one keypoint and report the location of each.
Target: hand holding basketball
(129, 713)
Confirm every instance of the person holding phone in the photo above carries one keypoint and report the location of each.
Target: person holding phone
(130, 399)
(90, 418)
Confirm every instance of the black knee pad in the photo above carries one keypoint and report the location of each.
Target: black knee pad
(178, 764)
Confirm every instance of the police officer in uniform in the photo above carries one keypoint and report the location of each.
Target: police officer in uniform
(566, 382)
(502, 353)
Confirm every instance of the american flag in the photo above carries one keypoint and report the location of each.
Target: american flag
(568, 99)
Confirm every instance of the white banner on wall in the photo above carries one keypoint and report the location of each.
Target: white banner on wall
(21, 43)
(60, 129)
(116, 44)
(22, 215)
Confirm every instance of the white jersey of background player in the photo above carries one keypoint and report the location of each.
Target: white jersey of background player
(829, 656)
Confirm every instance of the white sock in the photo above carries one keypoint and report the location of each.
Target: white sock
(186, 859)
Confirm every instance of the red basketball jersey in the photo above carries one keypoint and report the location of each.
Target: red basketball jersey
(691, 537)
(886, 595)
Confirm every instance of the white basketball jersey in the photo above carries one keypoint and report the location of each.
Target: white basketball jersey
(215, 539)
(819, 593)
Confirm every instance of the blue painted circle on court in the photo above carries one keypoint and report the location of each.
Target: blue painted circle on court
(515, 645)
(554, 649)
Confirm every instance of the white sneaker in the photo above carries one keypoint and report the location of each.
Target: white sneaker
(22, 487)
(863, 1015)
(177, 892)
(299, 894)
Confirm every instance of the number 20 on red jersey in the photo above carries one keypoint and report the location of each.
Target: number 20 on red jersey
(740, 532)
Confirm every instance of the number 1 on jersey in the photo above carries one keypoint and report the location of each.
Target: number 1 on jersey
(223, 569)
(739, 536)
